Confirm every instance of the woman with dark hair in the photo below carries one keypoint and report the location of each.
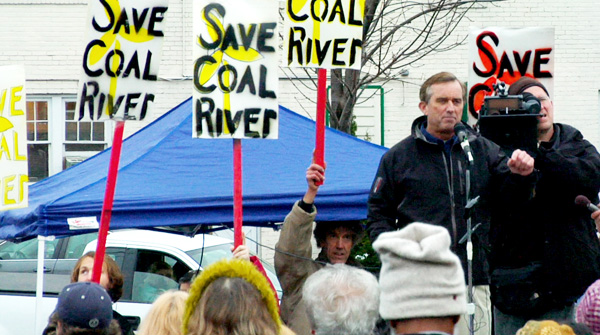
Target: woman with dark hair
(111, 279)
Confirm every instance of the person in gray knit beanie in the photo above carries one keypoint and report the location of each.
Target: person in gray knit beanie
(421, 281)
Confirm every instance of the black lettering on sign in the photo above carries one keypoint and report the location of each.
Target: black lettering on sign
(321, 52)
(232, 123)
(247, 34)
(294, 44)
(522, 62)
(352, 20)
(157, 15)
(313, 9)
(111, 18)
(215, 25)
(227, 75)
(197, 67)
(88, 48)
(266, 31)
(338, 48)
(356, 44)
(268, 115)
(87, 98)
(505, 64)
(250, 119)
(204, 114)
(487, 53)
(337, 10)
(229, 40)
(293, 15)
(476, 89)
(539, 61)
(263, 92)
(247, 80)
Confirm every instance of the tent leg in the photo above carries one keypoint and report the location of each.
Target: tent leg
(39, 287)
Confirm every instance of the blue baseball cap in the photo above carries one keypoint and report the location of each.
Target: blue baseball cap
(85, 305)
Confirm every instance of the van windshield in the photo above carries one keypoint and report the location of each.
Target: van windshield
(209, 255)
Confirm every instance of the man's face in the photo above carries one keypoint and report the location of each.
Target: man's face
(444, 109)
(546, 121)
(338, 244)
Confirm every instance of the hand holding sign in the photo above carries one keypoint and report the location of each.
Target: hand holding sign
(315, 176)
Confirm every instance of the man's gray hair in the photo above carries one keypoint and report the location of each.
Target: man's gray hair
(342, 299)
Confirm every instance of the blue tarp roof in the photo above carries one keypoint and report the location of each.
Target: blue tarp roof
(168, 178)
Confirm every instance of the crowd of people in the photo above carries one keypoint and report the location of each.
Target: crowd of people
(472, 239)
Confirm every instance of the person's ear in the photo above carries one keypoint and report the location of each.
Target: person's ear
(423, 107)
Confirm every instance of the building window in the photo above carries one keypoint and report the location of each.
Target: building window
(56, 139)
(82, 138)
(37, 139)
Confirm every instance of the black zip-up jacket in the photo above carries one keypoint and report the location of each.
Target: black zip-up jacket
(550, 229)
(417, 182)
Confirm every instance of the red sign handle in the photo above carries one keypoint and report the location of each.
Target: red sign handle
(237, 193)
(109, 195)
(319, 155)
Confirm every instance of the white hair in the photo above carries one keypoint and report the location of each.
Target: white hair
(342, 299)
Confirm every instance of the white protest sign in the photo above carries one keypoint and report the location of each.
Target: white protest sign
(235, 69)
(505, 55)
(121, 59)
(323, 34)
(13, 138)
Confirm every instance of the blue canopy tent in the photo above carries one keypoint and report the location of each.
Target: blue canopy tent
(169, 179)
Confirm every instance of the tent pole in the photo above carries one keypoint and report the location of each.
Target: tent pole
(38, 318)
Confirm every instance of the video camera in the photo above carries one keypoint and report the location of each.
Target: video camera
(504, 104)
(510, 120)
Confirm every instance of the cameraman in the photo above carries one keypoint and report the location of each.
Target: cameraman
(545, 253)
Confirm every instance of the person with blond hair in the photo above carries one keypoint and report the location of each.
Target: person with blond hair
(232, 297)
(165, 315)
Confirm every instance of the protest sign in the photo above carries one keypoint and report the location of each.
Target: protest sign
(504, 55)
(13, 138)
(121, 59)
(235, 69)
(323, 34)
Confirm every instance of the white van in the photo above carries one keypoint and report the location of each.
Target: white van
(134, 250)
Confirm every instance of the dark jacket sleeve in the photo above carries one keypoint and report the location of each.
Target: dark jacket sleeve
(382, 202)
(573, 166)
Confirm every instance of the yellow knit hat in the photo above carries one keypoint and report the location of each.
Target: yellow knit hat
(546, 327)
(233, 268)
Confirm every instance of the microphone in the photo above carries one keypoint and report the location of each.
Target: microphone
(582, 200)
(461, 132)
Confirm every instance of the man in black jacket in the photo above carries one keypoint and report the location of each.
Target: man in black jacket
(424, 179)
(549, 244)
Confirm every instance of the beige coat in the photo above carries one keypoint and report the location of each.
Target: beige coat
(295, 239)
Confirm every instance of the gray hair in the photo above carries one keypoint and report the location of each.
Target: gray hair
(342, 299)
